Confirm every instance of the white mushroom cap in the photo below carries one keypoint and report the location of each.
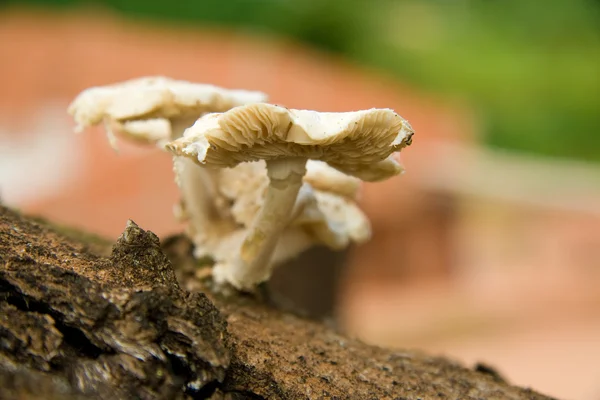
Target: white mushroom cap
(153, 99)
(153, 130)
(244, 187)
(327, 179)
(357, 143)
(334, 221)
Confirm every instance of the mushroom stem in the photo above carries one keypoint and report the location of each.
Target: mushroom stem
(253, 264)
(198, 192)
(197, 185)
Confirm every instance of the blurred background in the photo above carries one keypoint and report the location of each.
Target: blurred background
(486, 250)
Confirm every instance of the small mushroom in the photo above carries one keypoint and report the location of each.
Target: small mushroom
(334, 221)
(323, 177)
(356, 143)
(325, 207)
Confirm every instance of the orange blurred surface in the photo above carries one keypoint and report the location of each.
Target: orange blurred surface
(510, 285)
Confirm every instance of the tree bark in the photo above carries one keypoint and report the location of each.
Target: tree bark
(75, 323)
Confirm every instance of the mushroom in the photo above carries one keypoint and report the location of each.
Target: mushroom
(357, 143)
(156, 110)
(219, 204)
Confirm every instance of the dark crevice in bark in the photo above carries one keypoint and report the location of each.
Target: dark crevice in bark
(72, 337)
(206, 392)
(244, 395)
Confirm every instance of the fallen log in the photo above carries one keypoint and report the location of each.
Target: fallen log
(75, 323)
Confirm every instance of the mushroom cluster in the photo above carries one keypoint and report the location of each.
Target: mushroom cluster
(260, 183)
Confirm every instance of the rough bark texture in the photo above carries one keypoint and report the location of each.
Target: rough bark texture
(76, 324)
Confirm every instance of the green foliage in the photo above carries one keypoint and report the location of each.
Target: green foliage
(531, 68)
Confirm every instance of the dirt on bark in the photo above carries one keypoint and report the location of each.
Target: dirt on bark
(77, 323)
